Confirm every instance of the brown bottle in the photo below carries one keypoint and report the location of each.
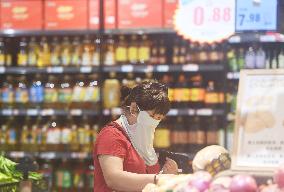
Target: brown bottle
(212, 131)
(199, 133)
(155, 53)
(189, 53)
(179, 136)
(182, 54)
(162, 53)
(211, 96)
(213, 54)
(203, 54)
(181, 92)
(176, 52)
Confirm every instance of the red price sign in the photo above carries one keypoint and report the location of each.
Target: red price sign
(205, 21)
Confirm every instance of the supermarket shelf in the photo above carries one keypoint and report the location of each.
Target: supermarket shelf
(256, 37)
(139, 31)
(164, 68)
(50, 155)
(176, 112)
(19, 33)
(233, 75)
(51, 70)
(46, 112)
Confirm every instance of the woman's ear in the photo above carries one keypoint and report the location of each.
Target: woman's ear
(133, 108)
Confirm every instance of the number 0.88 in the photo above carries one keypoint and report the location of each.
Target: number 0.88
(218, 15)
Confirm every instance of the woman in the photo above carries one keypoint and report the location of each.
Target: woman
(124, 157)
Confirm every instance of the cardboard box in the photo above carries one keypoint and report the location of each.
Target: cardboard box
(21, 14)
(66, 14)
(139, 14)
(169, 8)
(109, 11)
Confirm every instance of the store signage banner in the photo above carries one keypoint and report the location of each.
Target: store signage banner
(259, 129)
(205, 21)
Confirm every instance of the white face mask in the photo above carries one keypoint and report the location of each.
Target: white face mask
(141, 135)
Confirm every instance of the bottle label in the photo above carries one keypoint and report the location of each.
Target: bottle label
(197, 94)
(2, 59)
(171, 94)
(79, 94)
(133, 54)
(50, 95)
(92, 94)
(178, 94)
(66, 136)
(22, 59)
(96, 59)
(67, 180)
(144, 53)
(109, 58)
(21, 95)
(186, 95)
(212, 98)
(32, 59)
(121, 54)
(8, 59)
(7, 95)
(65, 95)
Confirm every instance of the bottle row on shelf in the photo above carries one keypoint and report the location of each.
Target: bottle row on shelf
(48, 134)
(188, 135)
(255, 57)
(67, 176)
(122, 49)
(81, 92)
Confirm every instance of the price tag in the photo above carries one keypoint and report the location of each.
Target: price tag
(7, 112)
(116, 111)
(235, 39)
(173, 112)
(106, 112)
(47, 112)
(86, 69)
(204, 112)
(204, 19)
(127, 68)
(82, 155)
(267, 38)
(149, 68)
(32, 112)
(162, 68)
(191, 112)
(190, 67)
(2, 70)
(17, 154)
(48, 155)
(55, 69)
(76, 112)
(254, 15)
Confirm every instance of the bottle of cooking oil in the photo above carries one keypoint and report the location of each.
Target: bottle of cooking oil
(23, 53)
(44, 56)
(66, 52)
(87, 52)
(111, 92)
(96, 52)
(144, 50)
(33, 50)
(55, 52)
(76, 59)
(121, 51)
(132, 50)
(109, 57)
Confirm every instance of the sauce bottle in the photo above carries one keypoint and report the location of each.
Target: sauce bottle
(23, 53)
(55, 52)
(132, 51)
(144, 50)
(109, 57)
(121, 51)
(111, 92)
(33, 49)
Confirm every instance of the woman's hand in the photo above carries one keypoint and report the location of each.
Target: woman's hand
(170, 167)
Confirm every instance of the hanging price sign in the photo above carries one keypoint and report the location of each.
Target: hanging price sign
(205, 21)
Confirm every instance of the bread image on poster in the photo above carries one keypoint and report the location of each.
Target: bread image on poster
(256, 121)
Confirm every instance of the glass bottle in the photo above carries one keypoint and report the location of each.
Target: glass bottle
(22, 92)
(55, 52)
(176, 52)
(250, 58)
(44, 56)
(121, 51)
(76, 57)
(8, 52)
(8, 92)
(65, 92)
(211, 97)
(23, 53)
(162, 53)
(155, 53)
(92, 96)
(144, 50)
(109, 57)
(66, 52)
(36, 92)
(87, 52)
(33, 49)
(79, 93)
(51, 92)
(197, 91)
(212, 131)
(2, 52)
(96, 52)
(111, 92)
(182, 53)
(132, 51)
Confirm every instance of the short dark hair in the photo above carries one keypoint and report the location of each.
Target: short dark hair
(149, 95)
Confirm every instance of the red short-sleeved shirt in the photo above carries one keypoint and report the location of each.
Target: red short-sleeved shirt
(112, 140)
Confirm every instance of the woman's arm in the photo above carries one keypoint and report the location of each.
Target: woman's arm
(117, 179)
